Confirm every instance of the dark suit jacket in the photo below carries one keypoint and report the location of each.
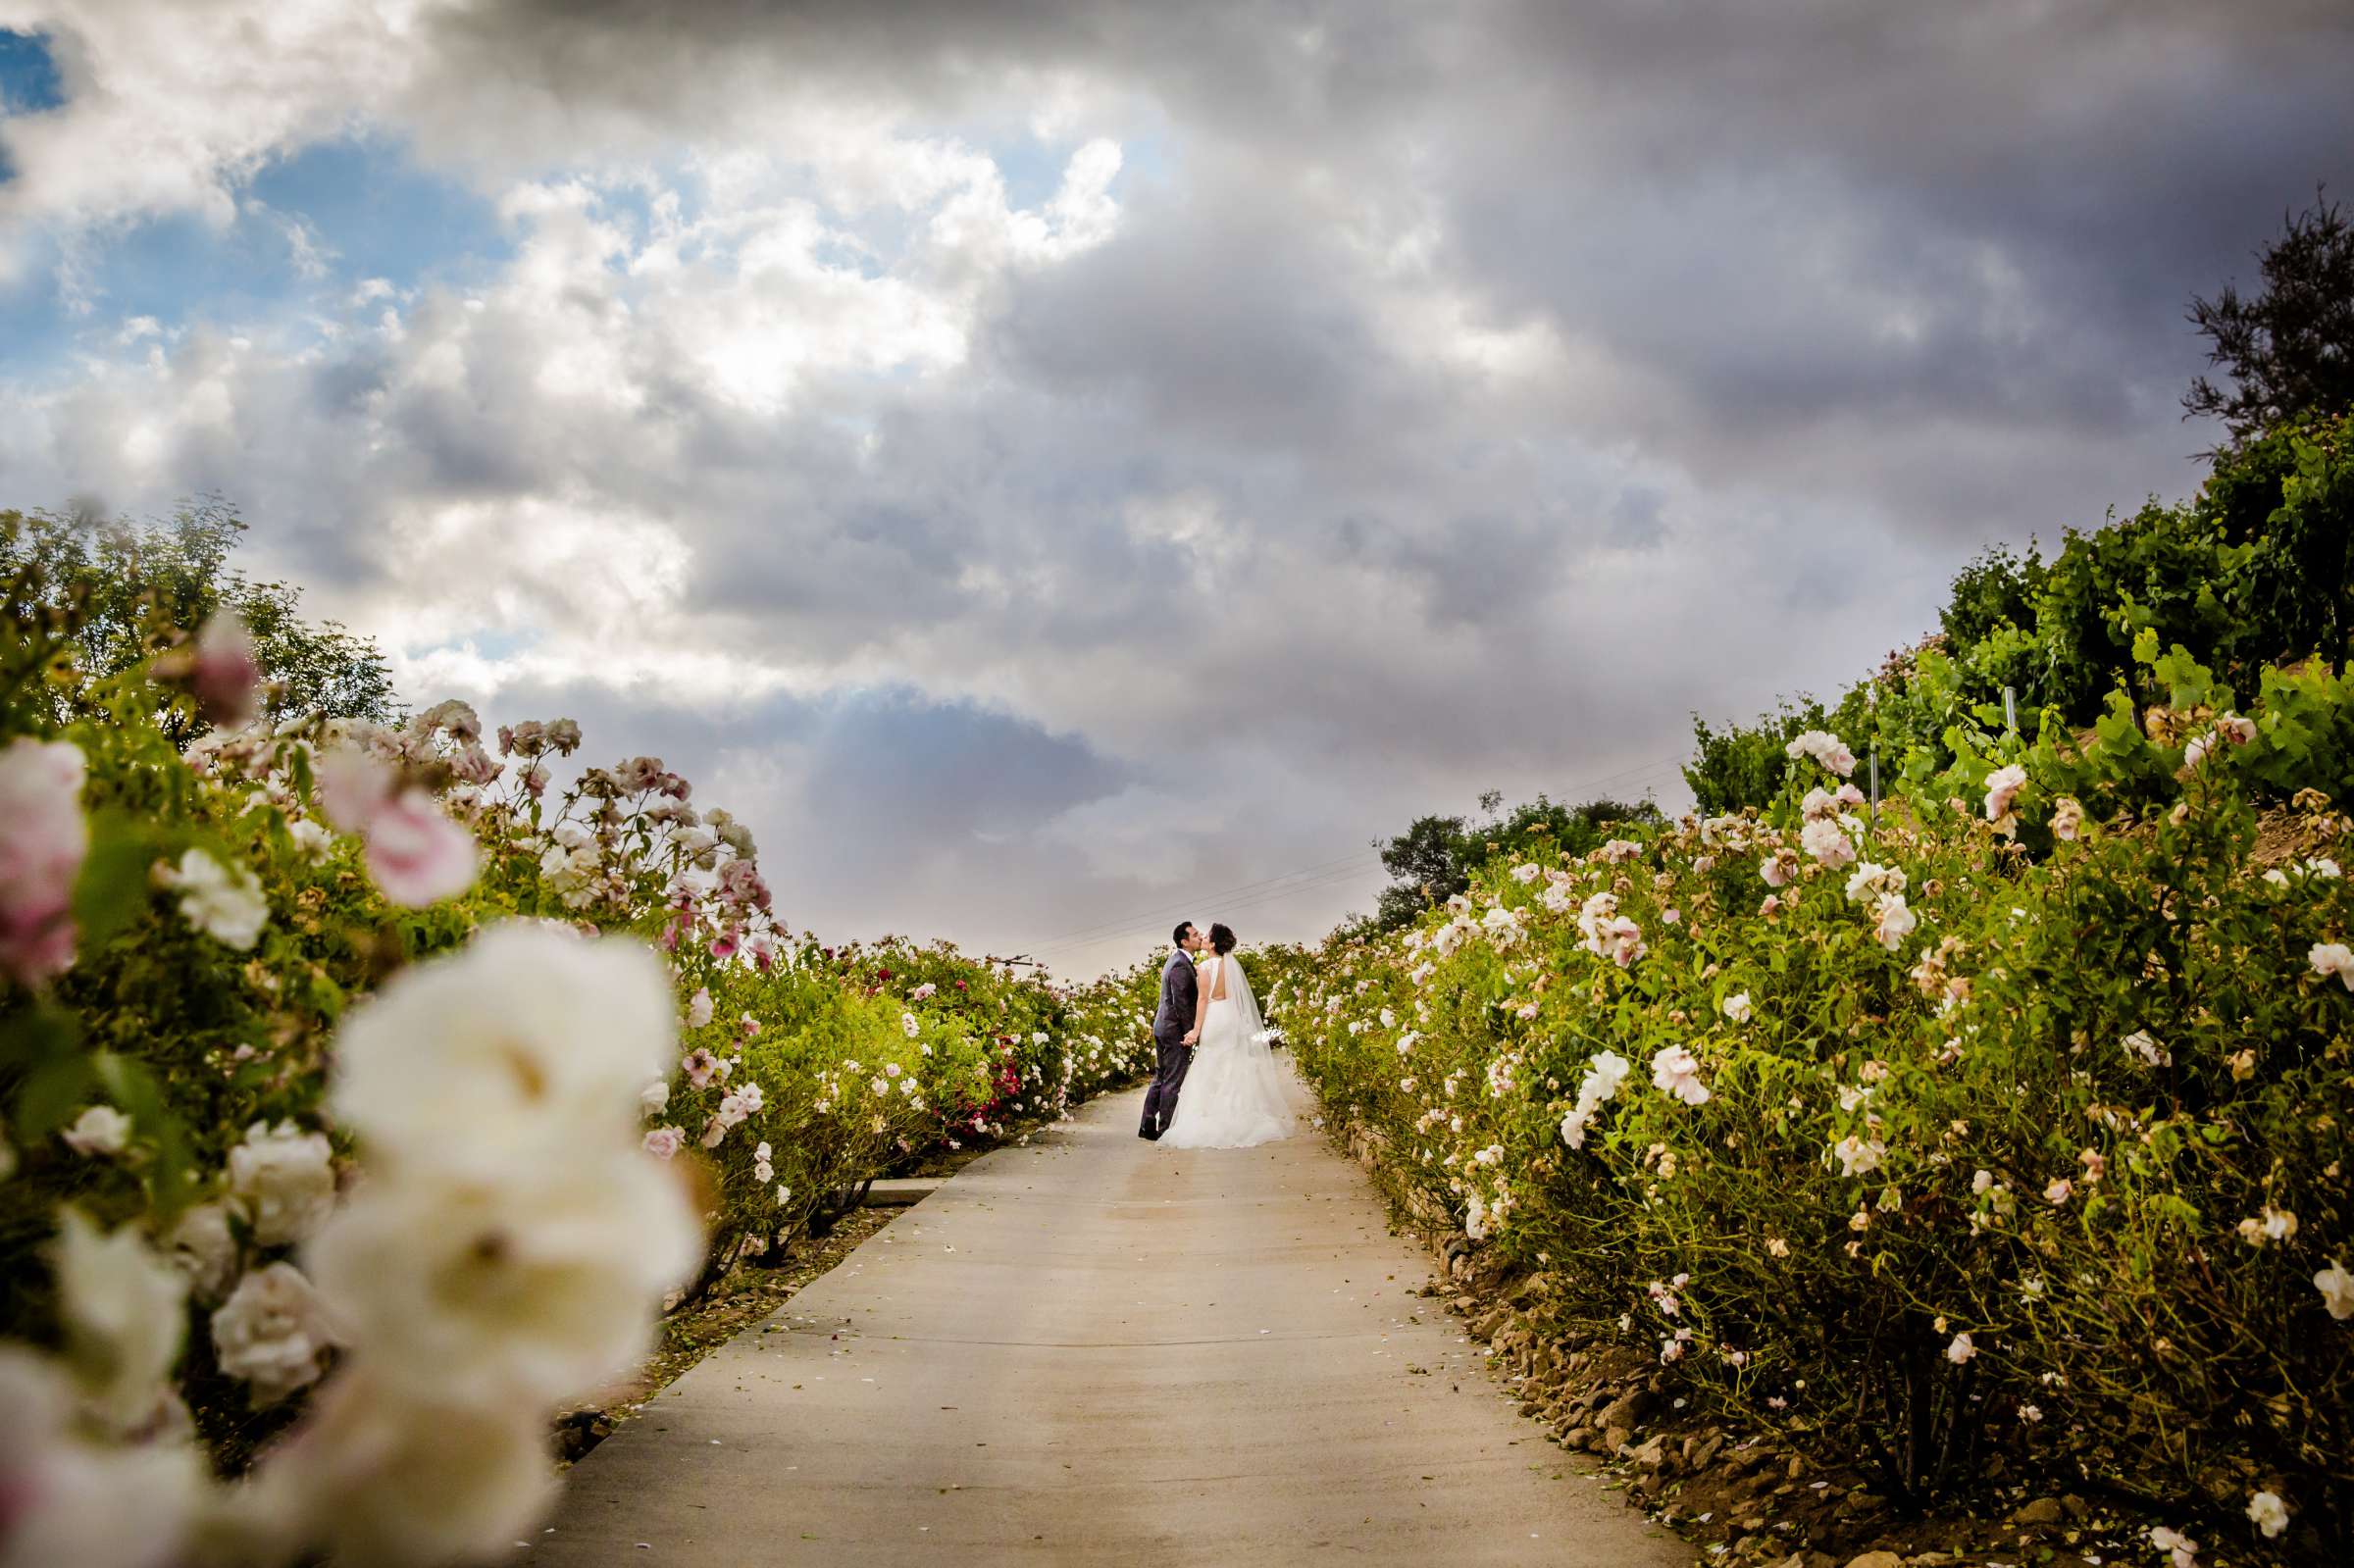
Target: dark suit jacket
(1178, 990)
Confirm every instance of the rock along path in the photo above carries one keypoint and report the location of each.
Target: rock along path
(1091, 1350)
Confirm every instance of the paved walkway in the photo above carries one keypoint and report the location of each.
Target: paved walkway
(1094, 1351)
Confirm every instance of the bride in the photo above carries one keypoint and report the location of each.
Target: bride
(1234, 1090)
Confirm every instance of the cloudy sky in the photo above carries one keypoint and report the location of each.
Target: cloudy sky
(1057, 467)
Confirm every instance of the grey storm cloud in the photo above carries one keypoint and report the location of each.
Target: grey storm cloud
(1461, 397)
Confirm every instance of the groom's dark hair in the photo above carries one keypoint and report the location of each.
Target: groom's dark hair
(1221, 939)
(1183, 927)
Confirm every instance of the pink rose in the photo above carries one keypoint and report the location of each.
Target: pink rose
(475, 765)
(739, 883)
(222, 672)
(1828, 844)
(43, 838)
(664, 1141)
(417, 855)
(1675, 1072)
(2002, 788)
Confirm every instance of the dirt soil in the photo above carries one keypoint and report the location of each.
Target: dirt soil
(1741, 1491)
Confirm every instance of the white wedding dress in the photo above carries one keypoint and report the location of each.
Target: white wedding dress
(1234, 1093)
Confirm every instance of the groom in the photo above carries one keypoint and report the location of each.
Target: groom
(1170, 1025)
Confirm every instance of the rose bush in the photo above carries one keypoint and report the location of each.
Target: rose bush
(2007, 1136)
(369, 1088)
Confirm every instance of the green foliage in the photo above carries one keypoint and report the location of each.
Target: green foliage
(876, 1058)
(2256, 572)
(1744, 764)
(1996, 590)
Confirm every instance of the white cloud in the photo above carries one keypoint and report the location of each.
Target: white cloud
(1381, 405)
(170, 103)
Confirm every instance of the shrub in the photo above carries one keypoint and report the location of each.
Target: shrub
(1958, 1146)
(349, 1125)
(2255, 572)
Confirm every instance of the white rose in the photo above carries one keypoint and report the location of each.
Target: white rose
(1894, 922)
(312, 839)
(224, 902)
(699, 844)
(100, 1129)
(272, 1332)
(2333, 958)
(2337, 1291)
(124, 1314)
(371, 1478)
(529, 1031)
(70, 1501)
(1857, 1156)
(528, 1282)
(285, 1178)
(202, 1249)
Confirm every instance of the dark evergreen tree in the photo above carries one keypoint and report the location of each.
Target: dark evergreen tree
(2288, 349)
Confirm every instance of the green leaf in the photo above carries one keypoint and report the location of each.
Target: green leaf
(40, 1034)
(113, 886)
(50, 1095)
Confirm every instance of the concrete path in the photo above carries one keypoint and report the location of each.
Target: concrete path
(1094, 1351)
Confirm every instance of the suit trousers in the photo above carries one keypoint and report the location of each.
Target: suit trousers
(1161, 1101)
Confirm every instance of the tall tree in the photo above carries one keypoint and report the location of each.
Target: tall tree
(130, 583)
(2289, 349)
(1434, 858)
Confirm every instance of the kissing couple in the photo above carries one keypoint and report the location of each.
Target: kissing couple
(1215, 1049)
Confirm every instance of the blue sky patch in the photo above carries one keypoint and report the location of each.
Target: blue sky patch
(488, 642)
(382, 216)
(29, 77)
(310, 228)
